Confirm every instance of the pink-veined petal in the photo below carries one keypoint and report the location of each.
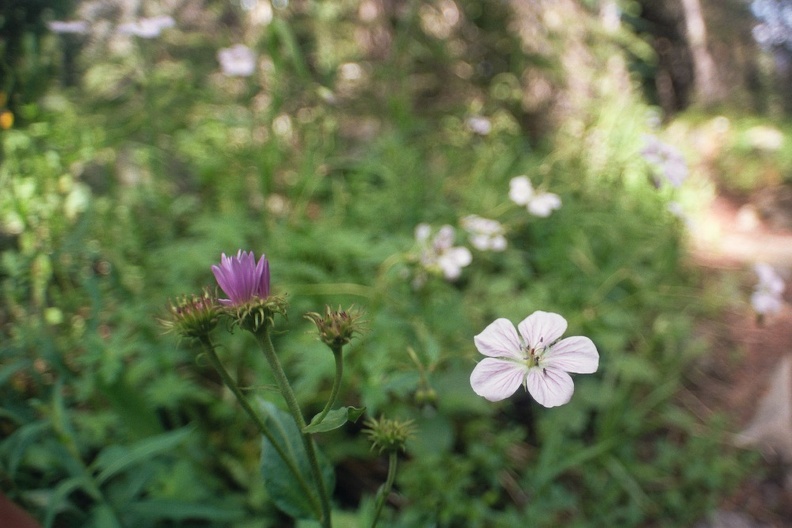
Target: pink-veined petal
(496, 379)
(499, 339)
(574, 354)
(542, 328)
(549, 386)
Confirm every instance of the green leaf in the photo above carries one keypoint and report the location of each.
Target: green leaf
(103, 516)
(59, 495)
(114, 459)
(334, 419)
(159, 509)
(282, 487)
(140, 419)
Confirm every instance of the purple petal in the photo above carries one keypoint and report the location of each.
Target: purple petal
(263, 275)
(573, 354)
(542, 328)
(241, 278)
(549, 386)
(496, 379)
(499, 339)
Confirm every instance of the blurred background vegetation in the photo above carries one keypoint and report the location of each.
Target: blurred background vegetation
(128, 164)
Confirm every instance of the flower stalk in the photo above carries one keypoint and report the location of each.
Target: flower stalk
(339, 372)
(264, 341)
(385, 488)
(262, 427)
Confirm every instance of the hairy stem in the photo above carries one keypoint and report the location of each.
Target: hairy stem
(262, 427)
(263, 337)
(339, 372)
(384, 490)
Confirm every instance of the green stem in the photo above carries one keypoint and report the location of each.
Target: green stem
(339, 372)
(262, 427)
(384, 490)
(263, 337)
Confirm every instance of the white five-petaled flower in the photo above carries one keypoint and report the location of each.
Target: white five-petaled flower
(535, 358)
(767, 296)
(485, 234)
(440, 253)
(540, 204)
(237, 61)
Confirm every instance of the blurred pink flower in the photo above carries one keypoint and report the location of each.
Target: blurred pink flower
(535, 358)
(242, 279)
(485, 234)
(439, 253)
(540, 204)
(479, 125)
(68, 26)
(147, 27)
(237, 61)
(767, 296)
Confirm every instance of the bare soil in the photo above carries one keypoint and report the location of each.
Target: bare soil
(744, 351)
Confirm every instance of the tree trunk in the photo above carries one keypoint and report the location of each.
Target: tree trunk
(707, 85)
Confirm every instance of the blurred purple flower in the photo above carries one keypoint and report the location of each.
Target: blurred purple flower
(242, 279)
(237, 61)
(666, 159)
(767, 295)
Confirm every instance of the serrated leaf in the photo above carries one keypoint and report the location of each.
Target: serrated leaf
(334, 419)
(282, 487)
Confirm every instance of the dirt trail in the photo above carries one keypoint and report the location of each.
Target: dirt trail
(730, 238)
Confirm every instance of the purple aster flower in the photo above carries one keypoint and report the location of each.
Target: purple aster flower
(242, 279)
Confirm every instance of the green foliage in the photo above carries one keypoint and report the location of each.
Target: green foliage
(278, 481)
(123, 194)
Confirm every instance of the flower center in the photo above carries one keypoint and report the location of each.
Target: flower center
(533, 355)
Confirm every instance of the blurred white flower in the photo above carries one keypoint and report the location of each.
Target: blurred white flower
(485, 234)
(767, 295)
(666, 159)
(438, 254)
(237, 61)
(479, 125)
(147, 27)
(765, 137)
(540, 204)
(70, 26)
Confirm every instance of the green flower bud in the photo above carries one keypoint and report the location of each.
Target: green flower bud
(337, 327)
(193, 316)
(388, 435)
